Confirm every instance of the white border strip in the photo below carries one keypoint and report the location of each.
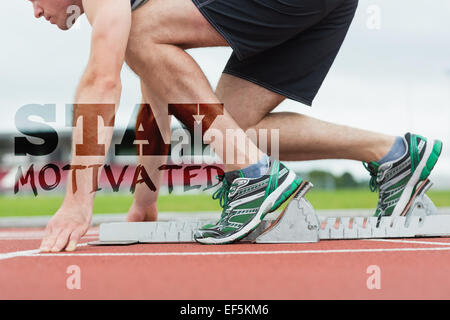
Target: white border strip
(10, 255)
(26, 253)
(225, 253)
(16, 237)
(411, 241)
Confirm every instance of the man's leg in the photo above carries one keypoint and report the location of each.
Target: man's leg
(252, 186)
(144, 207)
(300, 137)
(368, 146)
(161, 31)
(398, 165)
(168, 72)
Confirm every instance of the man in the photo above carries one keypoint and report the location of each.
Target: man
(281, 49)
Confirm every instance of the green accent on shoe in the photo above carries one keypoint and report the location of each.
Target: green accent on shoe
(207, 226)
(228, 229)
(286, 194)
(413, 150)
(271, 186)
(432, 160)
(252, 204)
(277, 175)
(242, 218)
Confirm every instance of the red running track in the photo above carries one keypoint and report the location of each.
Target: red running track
(409, 269)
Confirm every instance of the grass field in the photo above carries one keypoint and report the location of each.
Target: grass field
(47, 205)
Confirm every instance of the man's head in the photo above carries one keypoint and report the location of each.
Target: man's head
(58, 12)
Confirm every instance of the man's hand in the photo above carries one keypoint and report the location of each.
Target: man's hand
(65, 230)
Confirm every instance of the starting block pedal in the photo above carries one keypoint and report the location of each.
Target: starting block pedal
(298, 223)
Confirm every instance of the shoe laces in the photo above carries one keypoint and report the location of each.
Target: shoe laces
(373, 183)
(221, 194)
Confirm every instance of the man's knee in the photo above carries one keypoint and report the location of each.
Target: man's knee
(142, 36)
(149, 29)
(136, 55)
(142, 49)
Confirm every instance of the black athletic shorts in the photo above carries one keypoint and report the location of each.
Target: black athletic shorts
(286, 46)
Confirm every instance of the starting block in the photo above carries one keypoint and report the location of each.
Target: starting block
(298, 223)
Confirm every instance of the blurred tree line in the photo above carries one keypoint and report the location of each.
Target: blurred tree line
(328, 181)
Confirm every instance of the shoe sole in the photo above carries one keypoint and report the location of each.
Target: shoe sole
(420, 190)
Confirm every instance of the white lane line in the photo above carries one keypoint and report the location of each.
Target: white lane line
(38, 235)
(9, 255)
(18, 234)
(26, 253)
(225, 253)
(411, 241)
(39, 238)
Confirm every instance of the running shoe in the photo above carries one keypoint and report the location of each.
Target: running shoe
(397, 181)
(246, 201)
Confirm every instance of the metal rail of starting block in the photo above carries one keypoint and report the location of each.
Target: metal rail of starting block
(298, 223)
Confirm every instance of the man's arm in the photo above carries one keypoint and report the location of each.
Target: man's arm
(99, 85)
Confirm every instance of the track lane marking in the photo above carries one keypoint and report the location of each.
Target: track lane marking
(10, 255)
(40, 238)
(410, 241)
(36, 233)
(225, 253)
(26, 253)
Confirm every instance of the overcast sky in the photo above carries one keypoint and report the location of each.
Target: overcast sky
(393, 79)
